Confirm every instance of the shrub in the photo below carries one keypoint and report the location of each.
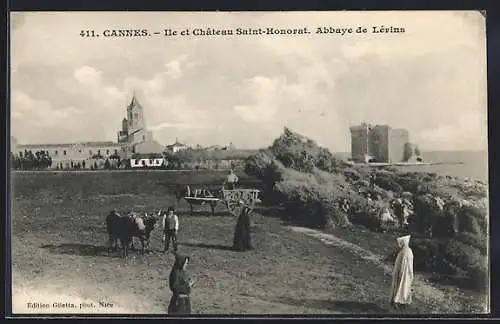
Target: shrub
(472, 220)
(386, 180)
(479, 276)
(366, 217)
(477, 241)
(428, 256)
(351, 175)
(312, 204)
(426, 213)
(303, 154)
(266, 168)
(462, 255)
(420, 183)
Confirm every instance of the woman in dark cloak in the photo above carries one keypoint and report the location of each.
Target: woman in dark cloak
(242, 240)
(180, 285)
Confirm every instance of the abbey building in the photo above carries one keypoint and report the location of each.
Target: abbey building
(133, 138)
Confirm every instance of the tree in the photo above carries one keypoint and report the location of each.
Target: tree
(417, 151)
(408, 152)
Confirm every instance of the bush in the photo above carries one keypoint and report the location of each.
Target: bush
(428, 256)
(303, 154)
(470, 259)
(479, 276)
(386, 180)
(426, 212)
(351, 175)
(461, 254)
(420, 183)
(444, 225)
(266, 168)
(472, 220)
(366, 217)
(312, 204)
(476, 241)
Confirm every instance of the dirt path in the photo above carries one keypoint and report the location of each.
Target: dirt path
(423, 291)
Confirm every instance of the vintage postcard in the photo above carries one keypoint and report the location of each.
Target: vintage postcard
(249, 163)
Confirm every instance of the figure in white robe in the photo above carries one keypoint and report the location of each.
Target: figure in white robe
(402, 275)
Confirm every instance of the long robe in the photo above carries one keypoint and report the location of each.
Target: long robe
(402, 275)
(242, 241)
(180, 303)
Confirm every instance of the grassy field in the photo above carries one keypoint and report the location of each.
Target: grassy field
(59, 254)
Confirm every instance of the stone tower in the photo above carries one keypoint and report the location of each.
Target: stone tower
(137, 131)
(135, 114)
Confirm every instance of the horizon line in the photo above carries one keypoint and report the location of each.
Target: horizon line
(247, 149)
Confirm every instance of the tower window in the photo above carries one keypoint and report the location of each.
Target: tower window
(55, 152)
(107, 152)
(64, 152)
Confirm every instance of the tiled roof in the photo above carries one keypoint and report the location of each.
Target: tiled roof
(85, 144)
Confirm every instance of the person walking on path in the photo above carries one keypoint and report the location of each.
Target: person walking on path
(180, 285)
(170, 223)
(402, 275)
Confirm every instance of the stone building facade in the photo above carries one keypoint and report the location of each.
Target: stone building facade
(378, 143)
(134, 137)
(86, 153)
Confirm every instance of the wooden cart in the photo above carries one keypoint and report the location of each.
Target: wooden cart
(230, 198)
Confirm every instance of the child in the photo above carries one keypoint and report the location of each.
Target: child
(180, 285)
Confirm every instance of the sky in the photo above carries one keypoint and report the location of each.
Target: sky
(211, 90)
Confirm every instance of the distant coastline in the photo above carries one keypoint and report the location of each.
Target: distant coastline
(471, 164)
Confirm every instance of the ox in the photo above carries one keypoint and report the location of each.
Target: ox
(125, 228)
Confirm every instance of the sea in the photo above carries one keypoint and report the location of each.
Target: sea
(474, 164)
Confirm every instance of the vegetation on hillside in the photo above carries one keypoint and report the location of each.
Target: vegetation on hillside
(202, 157)
(449, 222)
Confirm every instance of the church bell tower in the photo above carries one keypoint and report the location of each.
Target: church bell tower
(135, 114)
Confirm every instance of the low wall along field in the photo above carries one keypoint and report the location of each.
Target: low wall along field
(60, 256)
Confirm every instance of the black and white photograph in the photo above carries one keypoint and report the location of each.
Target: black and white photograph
(249, 163)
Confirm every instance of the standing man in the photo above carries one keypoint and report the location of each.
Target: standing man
(231, 180)
(170, 223)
